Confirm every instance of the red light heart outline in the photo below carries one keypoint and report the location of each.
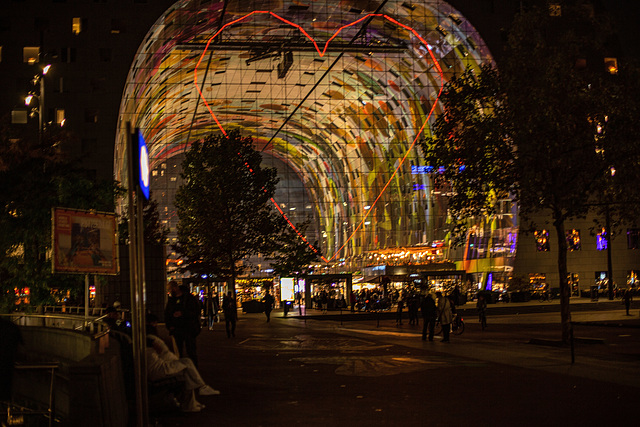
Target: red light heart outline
(322, 53)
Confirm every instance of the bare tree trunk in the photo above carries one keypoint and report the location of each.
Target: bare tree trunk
(565, 292)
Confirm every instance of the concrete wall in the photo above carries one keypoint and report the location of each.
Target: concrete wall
(89, 385)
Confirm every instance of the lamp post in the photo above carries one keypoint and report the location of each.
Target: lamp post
(38, 80)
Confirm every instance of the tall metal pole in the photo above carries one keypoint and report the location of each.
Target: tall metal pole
(141, 299)
(139, 346)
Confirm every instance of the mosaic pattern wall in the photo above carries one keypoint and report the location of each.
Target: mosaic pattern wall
(339, 120)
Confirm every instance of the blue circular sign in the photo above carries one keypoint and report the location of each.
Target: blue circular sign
(143, 167)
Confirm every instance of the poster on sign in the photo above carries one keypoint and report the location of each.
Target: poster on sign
(84, 242)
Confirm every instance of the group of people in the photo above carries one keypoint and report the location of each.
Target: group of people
(442, 308)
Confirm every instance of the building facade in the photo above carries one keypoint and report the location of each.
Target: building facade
(339, 120)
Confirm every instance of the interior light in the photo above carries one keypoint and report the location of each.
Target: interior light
(28, 99)
(45, 70)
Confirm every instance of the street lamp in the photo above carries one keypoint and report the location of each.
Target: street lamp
(38, 80)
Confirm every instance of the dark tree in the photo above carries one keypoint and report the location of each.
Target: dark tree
(291, 254)
(154, 232)
(36, 177)
(548, 128)
(224, 206)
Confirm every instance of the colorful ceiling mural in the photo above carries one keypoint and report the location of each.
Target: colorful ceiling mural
(334, 93)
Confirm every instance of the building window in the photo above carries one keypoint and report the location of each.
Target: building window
(633, 238)
(90, 115)
(477, 246)
(601, 280)
(611, 65)
(76, 25)
(602, 240)
(555, 9)
(60, 119)
(574, 283)
(542, 240)
(573, 240)
(19, 116)
(30, 54)
(0, 53)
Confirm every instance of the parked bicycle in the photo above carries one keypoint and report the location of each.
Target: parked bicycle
(457, 325)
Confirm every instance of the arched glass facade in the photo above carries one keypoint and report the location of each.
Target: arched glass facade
(334, 94)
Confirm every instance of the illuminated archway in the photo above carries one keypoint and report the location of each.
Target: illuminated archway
(339, 126)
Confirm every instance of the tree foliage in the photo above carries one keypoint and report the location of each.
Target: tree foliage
(292, 255)
(154, 232)
(36, 177)
(224, 208)
(548, 128)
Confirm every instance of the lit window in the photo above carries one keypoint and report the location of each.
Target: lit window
(602, 240)
(19, 116)
(611, 65)
(573, 240)
(76, 26)
(0, 53)
(542, 240)
(30, 54)
(555, 9)
(60, 119)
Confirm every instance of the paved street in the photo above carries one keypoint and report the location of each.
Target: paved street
(339, 372)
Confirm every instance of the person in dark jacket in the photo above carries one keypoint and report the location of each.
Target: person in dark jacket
(268, 302)
(230, 310)
(182, 317)
(428, 308)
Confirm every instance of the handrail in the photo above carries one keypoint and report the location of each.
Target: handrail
(50, 413)
(90, 324)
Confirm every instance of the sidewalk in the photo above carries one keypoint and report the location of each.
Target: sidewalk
(305, 371)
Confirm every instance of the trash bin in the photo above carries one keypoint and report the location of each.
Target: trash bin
(594, 293)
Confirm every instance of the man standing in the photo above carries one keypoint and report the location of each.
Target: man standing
(182, 317)
(428, 308)
(230, 310)
(446, 315)
(268, 301)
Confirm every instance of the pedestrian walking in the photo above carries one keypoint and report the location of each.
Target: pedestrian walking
(268, 302)
(445, 314)
(627, 298)
(212, 309)
(230, 310)
(399, 311)
(182, 318)
(429, 315)
(481, 306)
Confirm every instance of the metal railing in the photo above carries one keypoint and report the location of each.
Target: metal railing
(16, 413)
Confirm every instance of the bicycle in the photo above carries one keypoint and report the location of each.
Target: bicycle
(457, 325)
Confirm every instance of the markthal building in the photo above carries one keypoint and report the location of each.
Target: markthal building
(335, 95)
